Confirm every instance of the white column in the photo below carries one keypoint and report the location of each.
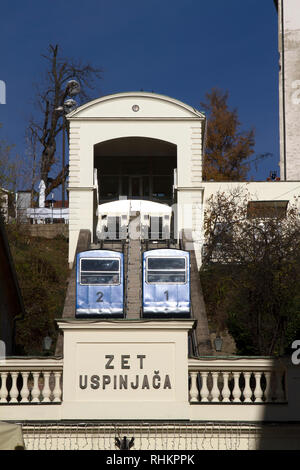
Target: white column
(3, 390)
(35, 392)
(57, 388)
(258, 393)
(14, 391)
(194, 394)
(25, 390)
(226, 390)
(46, 389)
(215, 392)
(236, 392)
(268, 387)
(204, 389)
(247, 389)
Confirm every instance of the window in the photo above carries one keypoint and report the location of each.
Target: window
(109, 187)
(162, 186)
(166, 270)
(95, 271)
(266, 209)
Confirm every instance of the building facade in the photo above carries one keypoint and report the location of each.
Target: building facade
(134, 379)
(289, 88)
(136, 145)
(146, 146)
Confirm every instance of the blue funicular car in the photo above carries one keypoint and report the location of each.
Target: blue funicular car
(166, 283)
(100, 284)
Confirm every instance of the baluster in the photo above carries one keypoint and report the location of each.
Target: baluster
(258, 392)
(247, 390)
(215, 392)
(194, 394)
(236, 392)
(46, 390)
(57, 389)
(284, 386)
(14, 391)
(204, 389)
(279, 392)
(225, 390)
(268, 387)
(3, 390)
(35, 392)
(24, 392)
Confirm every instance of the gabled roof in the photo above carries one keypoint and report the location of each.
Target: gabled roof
(148, 105)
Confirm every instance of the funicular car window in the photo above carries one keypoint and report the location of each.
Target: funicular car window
(166, 270)
(95, 271)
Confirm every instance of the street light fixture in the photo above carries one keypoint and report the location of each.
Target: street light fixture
(73, 88)
(218, 343)
(47, 341)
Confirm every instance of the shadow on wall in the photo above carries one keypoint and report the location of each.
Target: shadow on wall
(202, 337)
(281, 416)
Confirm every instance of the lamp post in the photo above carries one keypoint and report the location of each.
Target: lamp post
(73, 88)
(47, 341)
(218, 343)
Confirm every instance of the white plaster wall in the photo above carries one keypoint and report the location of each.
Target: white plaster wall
(150, 105)
(193, 203)
(81, 215)
(94, 132)
(258, 190)
(289, 88)
(164, 348)
(190, 219)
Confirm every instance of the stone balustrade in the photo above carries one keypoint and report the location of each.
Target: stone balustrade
(30, 381)
(261, 389)
(237, 381)
(211, 380)
(231, 403)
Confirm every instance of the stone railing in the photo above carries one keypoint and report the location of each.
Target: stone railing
(30, 381)
(237, 381)
(220, 390)
(47, 215)
(211, 380)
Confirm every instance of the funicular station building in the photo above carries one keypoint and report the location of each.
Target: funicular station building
(138, 146)
(136, 185)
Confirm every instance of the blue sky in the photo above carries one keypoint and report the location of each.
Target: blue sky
(180, 48)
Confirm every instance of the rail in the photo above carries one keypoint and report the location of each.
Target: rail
(30, 381)
(237, 381)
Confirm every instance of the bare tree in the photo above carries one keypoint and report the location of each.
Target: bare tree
(7, 165)
(32, 167)
(51, 96)
(11, 177)
(251, 268)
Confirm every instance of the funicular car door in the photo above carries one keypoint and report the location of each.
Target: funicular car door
(99, 284)
(166, 283)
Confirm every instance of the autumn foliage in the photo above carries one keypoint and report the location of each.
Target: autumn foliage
(227, 148)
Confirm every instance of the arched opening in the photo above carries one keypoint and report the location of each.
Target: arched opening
(136, 168)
